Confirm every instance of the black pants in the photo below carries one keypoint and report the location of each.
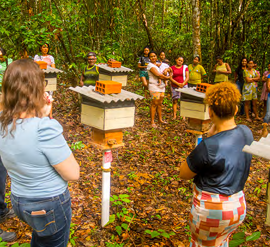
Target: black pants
(3, 177)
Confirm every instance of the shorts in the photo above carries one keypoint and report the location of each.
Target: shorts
(249, 92)
(144, 74)
(156, 95)
(176, 94)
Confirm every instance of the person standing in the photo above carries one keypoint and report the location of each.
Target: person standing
(4, 211)
(239, 79)
(40, 170)
(265, 92)
(179, 79)
(249, 92)
(156, 89)
(142, 65)
(220, 170)
(45, 56)
(90, 73)
(196, 72)
(222, 70)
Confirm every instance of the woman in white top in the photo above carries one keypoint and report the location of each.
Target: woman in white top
(156, 89)
(44, 49)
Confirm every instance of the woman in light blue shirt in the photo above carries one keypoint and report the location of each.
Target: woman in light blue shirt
(36, 155)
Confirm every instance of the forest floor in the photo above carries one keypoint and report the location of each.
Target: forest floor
(151, 203)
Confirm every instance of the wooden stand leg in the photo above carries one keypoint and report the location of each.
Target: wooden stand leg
(106, 186)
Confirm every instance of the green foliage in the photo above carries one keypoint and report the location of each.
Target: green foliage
(159, 233)
(71, 237)
(77, 145)
(4, 244)
(239, 238)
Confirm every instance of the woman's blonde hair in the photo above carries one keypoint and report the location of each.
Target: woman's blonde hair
(223, 98)
(22, 92)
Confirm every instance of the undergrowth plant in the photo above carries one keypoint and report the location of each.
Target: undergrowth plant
(4, 244)
(239, 238)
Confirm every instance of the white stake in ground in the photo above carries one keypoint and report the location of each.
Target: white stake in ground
(106, 186)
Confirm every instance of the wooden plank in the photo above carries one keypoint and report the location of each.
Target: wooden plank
(119, 113)
(51, 81)
(257, 149)
(193, 106)
(103, 77)
(93, 116)
(194, 114)
(267, 221)
(51, 88)
(120, 78)
(265, 141)
(119, 123)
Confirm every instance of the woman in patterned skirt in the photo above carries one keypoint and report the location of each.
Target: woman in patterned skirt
(220, 170)
(249, 92)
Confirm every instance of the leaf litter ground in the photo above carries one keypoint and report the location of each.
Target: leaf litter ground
(147, 170)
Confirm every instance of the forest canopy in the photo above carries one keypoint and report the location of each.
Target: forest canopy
(119, 29)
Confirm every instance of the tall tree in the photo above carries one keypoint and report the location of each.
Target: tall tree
(196, 35)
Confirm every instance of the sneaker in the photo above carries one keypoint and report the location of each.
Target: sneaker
(7, 236)
(8, 213)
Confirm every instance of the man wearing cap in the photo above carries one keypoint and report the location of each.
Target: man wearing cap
(90, 73)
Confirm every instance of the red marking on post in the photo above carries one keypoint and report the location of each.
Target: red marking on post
(107, 157)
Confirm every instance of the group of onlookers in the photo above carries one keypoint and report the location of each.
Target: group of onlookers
(155, 79)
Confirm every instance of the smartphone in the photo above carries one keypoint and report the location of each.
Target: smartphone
(40, 212)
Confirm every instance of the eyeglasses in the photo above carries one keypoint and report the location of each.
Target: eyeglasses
(91, 59)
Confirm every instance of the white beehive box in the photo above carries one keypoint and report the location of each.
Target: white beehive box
(107, 112)
(51, 78)
(192, 104)
(107, 73)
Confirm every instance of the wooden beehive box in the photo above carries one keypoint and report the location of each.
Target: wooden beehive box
(42, 64)
(192, 104)
(108, 87)
(106, 73)
(202, 87)
(199, 125)
(108, 116)
(51, 78)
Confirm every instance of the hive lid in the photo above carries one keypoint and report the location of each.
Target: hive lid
(260, 148)
(192, 92)
(121, 69)
(52, 70)
(90, 92)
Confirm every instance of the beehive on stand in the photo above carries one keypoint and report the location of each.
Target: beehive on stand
(108, 87)
(51, 78)
(108, 114)
(107, 73)
(192, 104)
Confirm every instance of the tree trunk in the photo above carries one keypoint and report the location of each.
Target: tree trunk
(196, 35)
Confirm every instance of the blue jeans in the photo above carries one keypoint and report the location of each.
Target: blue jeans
(3, 177)
(267, 115)
(240, 88)
(50, 229)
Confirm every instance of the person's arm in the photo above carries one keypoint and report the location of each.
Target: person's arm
(141, 67)
(187, 78)
(264, 79)
(185, 172)
(53, 65)
(68, 169)
(257, 78)
(82, 78)
(155, 72)
(215, 69)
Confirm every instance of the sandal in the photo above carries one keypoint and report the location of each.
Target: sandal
(249, 120)
(259, 119)
(154, 125)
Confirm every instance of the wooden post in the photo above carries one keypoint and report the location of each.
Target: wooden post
(267, 222)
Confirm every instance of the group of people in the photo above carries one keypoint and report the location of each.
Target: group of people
(40, 170)
(155, 73)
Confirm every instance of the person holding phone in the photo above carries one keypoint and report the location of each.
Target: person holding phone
(40, 170)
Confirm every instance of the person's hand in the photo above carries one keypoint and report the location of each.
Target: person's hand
(181, 85)
(46, 109)
(81, 83)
